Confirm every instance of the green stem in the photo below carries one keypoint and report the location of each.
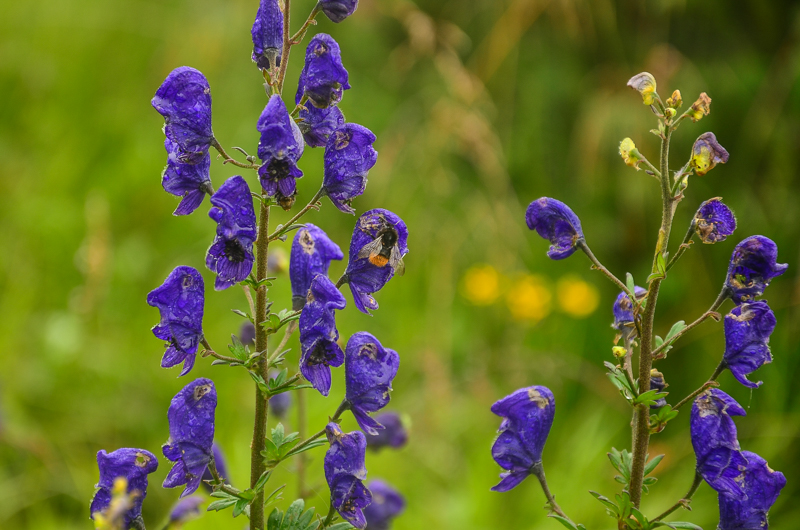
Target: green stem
(721, 297)
(538, 471)
(345, 405)
(229, 159)
(684, 246)
(287, 45)
(684, 502)
(312, 204)
(297, 38)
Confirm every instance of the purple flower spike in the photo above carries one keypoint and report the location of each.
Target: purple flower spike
(338, 10)
(714, 221)
(553, 220)
(323, 78)
(345, 471)
(312, 253)
(392, 435)
(189, 181)
(387, 503)
(762, 486)
(318, 124)
(280, 147)
(369, 369)
(267, 34)
(719, 458)
(707, 153)
(191, 434)
(527, 417)
(623, 310)
(348, 158)
(184, 99)
(747, 331)
(220, 464)
(185, 510)
(318, 333)
(752, 267)
(180, 301)
(380, 240)
(230, 256)
(132, 464)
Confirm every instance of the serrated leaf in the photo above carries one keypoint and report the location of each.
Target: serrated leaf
(237, 349)
(565, 522)
(649, 398)
(651, 465)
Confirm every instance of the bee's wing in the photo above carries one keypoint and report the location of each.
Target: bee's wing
(370, 249)
(396, 261)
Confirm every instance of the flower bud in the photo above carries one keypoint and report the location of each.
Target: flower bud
(707, 153)
(669, 112)
(338, 10)
(700, 108)
(619, 352)
(714, 221)
(630, 155)
(675, 101)
(644, 84)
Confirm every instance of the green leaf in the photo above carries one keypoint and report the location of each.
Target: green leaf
(275, 496)
(613, 508)
(629, 283)
(649, 398)
(659, 341)
(651, 465)
(312, 445)
(565, 522)
(684, 525)
(676, 328)
(649, 481)
(238, 349)
(221, 504)
(239, 507)
(262, 480)
(661, 264)
(340, 526)
(275, 519)
(242, 314)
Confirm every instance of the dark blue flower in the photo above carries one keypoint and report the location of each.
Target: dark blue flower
(189, 181)
(714, 221)
(762, 486)
(345, 471)
(280, 147)
(719, 458)
(230, 256)
(318, 124)
(527, 417)
(338, 10)
(747, 331)
(312, 253)
(553, 220)
(220, 464)
(185, 510)
(707, 153)
(247, 334)
(180, 301)
(132, 464)
(392, 435)
(318, 333)
(623, 309)
(267, 34)
(191, 434)
(369, 369)
(387, 503)
(752, 267)
(379, 242)
(323, 78)
(184, 99)
(349, 156)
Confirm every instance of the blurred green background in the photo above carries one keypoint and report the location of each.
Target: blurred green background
(479, 107)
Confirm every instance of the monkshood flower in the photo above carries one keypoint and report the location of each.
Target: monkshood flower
(280, 147)
(762, 486)
(719, 458)
(191, 182)
(553, 220)
(345, 471)
(180, 301)
(318, 124)
(657, 382)
(527, 417)
(387, 503)
(185, 510)
(267, 33)
(338, 10)
(644, 84)
(700, 108)
(349, 156)
(230, 256)
(392, 435)
(131, 464)
(623, 309)
(369, 369)
(707, 153)
(379, 242)
(312, 253)
(752, 267)
(323, 78)
(184, 99)
(220, 464)
(747, 331)
(714, 221)
(318, 333)
(191, 434)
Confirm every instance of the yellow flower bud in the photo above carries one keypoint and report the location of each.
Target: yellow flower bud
(629, 153)
(700, 108)
(670, 112)
(675, 100)
(619, 352)
(644, 84)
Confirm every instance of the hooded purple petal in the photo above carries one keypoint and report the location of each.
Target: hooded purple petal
(369, 370)
(338, 10)
(345, 471)
(553, 220)
(318, 124)
(752, 267)
(267, 33)
(707, 153)
(184, 99)
(747, 331)
(280, 147)
(349, 156)
(230, 256)
(189, 181)
(762, 486)
(387, 503)
(312, 253)
(392, 435)
(323, 78)
(134, 465)
(623, 309)
(714, 221)
(318, 333)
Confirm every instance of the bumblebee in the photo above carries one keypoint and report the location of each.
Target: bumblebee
(383, 250)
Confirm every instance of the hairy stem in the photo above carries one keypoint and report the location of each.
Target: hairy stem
(301, 430)
(229, 159)
(312, 204)
(297, 38)
(599, 266)
(684, 246)
(684, 502)
(721, 297)
(538, 471)
(287, 45)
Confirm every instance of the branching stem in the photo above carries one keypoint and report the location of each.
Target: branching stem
(684, 502)
(229, 159)
(312, 205)
(712, 311)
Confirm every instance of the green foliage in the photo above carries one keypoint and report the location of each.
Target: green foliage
(622, 462)
(281, 447)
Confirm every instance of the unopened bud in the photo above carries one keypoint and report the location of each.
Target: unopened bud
(630, 155)
(675, 100)
(619, 352)
(701, 107)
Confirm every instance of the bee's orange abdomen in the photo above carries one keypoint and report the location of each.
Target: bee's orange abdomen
(378, 260)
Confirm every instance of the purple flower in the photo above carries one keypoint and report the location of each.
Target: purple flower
(554, 221)
(338, 10)
(191, 434)
(312, 253)
(185, 510)
(323, 78)
(623, 309)
(753, 265)
(189, 181)
(280, 147)
(747, 331)
(657, 382)
(247, 334)
(132, 464)
(387, 503)
(707, 153)
(267, 34)
(230, 256)
(318, 124)
(219, 463)
(380, 240)
(184, 99)
(348, 158)
(762, 486)
(392, 435)
(714, 221)
(180, 301)
(318, 333)
(527, 417)
(369, 369)
(345, 471)
(719, 458)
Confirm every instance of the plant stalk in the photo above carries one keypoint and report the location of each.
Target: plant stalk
(538, 471)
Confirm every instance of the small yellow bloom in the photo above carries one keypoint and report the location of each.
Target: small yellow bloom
(481, 285)
(529, 298)
(619, 352)
(630, 155)
(700, 108)
(675, 100)
(644, 84)
(576, 297)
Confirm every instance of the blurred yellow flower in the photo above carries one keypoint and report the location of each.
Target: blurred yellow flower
(576, 297)
(481, 285)
(529, 298)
